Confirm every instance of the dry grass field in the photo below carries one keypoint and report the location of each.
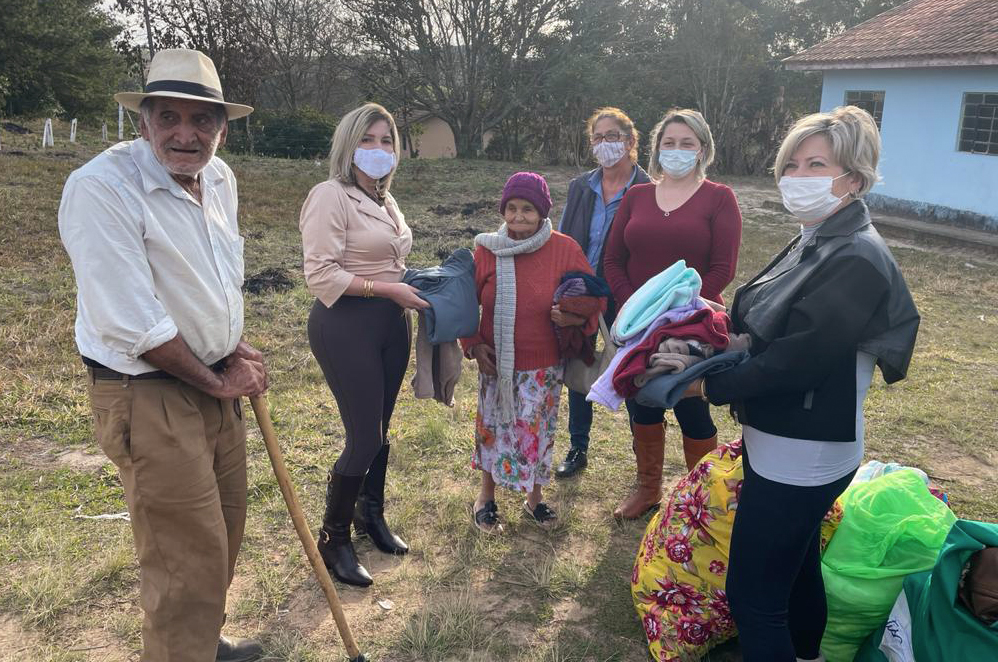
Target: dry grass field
(68, 585)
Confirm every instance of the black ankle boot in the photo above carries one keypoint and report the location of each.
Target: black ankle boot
(369, 515)
(238, 650)
(574, 462)
(369, 518)
(334, 538)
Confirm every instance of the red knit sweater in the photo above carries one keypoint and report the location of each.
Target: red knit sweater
(538, 275)
(705, 231)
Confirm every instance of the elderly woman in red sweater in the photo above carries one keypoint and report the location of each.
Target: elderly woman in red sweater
(517, 270)
(680, 214)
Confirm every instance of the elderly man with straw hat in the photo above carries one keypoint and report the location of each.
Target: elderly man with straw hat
(150, 226)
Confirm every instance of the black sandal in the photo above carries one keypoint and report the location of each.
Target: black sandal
(486, 518)
(543, 516)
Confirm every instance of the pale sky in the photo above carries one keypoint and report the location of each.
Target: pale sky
(134, 29)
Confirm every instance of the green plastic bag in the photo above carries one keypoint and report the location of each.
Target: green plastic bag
(942, 629)
(892, 527)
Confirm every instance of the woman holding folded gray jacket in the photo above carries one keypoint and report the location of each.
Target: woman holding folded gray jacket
(355, 242)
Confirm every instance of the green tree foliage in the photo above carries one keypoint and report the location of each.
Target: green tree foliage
(221, 29)
(469, 62)
(721, 57)
(527, 72)
(57, 57)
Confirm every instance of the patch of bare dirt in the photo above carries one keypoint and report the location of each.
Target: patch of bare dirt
(464, 209)
(948, 465)
(269, 279)
(101, 646)
(20, 645)
(43, 453)
(307, 610)
(15, 642)
(15, 128)
(569, 610)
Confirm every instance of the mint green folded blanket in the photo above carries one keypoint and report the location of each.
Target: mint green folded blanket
(676, 286)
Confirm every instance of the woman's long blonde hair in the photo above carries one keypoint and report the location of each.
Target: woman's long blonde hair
(347, 137)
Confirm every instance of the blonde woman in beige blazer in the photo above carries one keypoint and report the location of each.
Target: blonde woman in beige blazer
(355, 242)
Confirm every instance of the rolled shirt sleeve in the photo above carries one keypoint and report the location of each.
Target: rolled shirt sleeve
(116, 298)
(323, 225)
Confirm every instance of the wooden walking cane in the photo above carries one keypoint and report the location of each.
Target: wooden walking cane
(262, 411)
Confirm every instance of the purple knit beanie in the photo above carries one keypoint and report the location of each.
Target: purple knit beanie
(527, 186)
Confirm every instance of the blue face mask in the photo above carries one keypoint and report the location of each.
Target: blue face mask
(678, 163)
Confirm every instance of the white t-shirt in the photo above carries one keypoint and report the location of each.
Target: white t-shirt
(808, 462)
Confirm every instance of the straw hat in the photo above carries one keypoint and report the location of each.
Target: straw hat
(182, 73)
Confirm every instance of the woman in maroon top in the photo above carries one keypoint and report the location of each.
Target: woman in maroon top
(680, 214)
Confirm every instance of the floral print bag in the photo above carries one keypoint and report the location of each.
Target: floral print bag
(679, 575)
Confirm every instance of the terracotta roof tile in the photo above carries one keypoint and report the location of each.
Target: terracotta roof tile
(919, 30)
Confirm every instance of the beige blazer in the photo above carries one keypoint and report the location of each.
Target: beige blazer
(346, 234)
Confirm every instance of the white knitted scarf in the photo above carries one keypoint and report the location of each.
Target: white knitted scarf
(504, 248)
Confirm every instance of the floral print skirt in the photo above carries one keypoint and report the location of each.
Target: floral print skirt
(518, 454)
(682, 564)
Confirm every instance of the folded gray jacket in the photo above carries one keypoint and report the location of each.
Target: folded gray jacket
(666, 390)
(450, 291)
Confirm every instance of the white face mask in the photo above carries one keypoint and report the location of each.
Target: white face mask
(375, 163)
(677, 163)
(809, 198)
(608, 154)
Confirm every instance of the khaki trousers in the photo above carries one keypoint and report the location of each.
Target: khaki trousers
(181, 455)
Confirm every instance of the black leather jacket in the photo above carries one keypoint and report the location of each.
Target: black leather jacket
(808, 312)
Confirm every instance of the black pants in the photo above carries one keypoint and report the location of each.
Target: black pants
(774, 583)
(362, 346)
(693, 415)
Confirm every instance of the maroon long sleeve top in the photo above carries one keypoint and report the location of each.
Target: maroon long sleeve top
(706, 231)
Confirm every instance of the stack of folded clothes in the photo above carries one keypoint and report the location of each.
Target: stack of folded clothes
(666, 329)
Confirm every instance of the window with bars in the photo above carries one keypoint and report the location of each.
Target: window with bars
(871, 101)
(979, 123)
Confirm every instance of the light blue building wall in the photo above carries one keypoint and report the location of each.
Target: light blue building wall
(923, 172)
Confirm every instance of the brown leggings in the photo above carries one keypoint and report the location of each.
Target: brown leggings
(362, 346)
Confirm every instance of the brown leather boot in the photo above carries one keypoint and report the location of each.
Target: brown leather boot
(649, 446)
(695, 449)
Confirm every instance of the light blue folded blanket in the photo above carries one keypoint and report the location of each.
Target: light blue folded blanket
(666, 390)
(675, 286)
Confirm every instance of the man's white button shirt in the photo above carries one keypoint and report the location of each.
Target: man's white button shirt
(150, 260)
